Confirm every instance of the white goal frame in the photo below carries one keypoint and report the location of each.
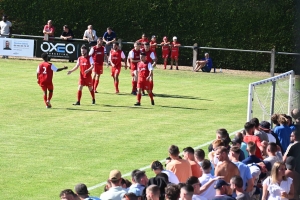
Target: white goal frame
(273, 80)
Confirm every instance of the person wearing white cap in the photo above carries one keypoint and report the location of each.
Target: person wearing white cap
(174, 52)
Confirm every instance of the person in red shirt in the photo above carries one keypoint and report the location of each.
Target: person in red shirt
(134, 58)
(153, 44)
(174, 52)
(150, 56)
(143, 40)
(86, 64)
(115, 58)
(98, 54)
(249, 128)
(165, 45)
(144, 68)
(48, 30)
(45, 76)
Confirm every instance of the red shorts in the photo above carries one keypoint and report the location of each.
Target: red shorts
(174, 55)
(165, 54)
(86, 81)
(47, 86)
(115, 71)
(144, 85)
(98, 69)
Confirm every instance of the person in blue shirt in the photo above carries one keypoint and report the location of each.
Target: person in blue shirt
(205, 65)
(283, 132)
(109, 38)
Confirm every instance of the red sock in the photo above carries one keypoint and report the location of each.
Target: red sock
(50, 96)
(139, 96)
(165, 64)
(79, 93)
(117, 86)
(95, 84)
(45, 98)
(151, 85)
(151, 96)
(134, 85)
(93, 94)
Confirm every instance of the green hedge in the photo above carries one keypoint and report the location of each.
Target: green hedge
(240, 24)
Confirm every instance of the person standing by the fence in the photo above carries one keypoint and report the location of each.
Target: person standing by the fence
(5, 29)
(115, 58)
(109, 38)
(174, 52)
(143, 40)
(67, 34)
(90, 35)
(165, 45)
(153, 44)
(48, 30)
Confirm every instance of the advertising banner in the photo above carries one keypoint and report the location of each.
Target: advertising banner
(16, 47)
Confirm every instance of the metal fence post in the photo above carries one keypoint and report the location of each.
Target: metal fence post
(272, 67)
(195, 53)
(120, 43)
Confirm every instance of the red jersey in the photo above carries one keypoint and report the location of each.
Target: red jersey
(143, 40)
(148, 55)
(49, 29)
(256, 140)
(84, 64)
(116, 57)
(45, 73)
(98, 54)
(136, 56)
(143, 70)
(152, 47)
(174, 49)
(165, 48)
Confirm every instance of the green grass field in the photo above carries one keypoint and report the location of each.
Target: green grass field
(44, 151)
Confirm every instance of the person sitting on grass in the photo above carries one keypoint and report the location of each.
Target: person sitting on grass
(205, 65)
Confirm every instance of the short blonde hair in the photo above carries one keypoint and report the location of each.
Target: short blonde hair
(274, 172)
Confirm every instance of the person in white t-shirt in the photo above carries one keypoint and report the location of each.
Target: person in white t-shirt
(5, 29)
(271, 152)
(206, 177)
(90, 35)
(158, 168)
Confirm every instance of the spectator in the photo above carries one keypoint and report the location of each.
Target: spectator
(186, 192)
(271, 152)
(250, 137)
(107, 185)
(67, 33)
(83, 193)
(226, 168)
(138, 187)
(194, 181)
(157, 168)
(261, 134)
(237, 142)
(133, 176)
(153, 192)
(245, 172)
(283, 132)
(272, 137)
(205, 64)
(5, 29)
(67, 194)
(168, 160)
(174, 52)
(125, 183)
(48, 30)
(143, 40)
(109, 38)
(273, 190)
(212, 155)
(199, 157)
(292, 142)
(236, 184)
(205, 178)
(243, 147)
(172, 192)
(165, 45)
(130, 196)
(181, 168)
(161, 181)
(153, 44)
(116, 192)
(290, 172)
(290, 123)
(90, 35)
(221, 134)
(222, 190)
(251, 148)
(295, 113)
(295, 149)
(188, 153)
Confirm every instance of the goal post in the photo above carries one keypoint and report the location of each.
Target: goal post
(277, 94)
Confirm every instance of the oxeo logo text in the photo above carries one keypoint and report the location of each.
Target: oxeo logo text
(58, 47)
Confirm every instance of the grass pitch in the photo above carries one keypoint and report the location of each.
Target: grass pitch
(44, 151)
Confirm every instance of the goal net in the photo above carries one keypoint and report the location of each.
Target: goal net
(278, 94)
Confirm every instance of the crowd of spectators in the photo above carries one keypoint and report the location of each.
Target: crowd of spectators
(269, 168)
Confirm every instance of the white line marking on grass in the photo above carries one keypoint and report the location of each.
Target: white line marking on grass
(162, 161)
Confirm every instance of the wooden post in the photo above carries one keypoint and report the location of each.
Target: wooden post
(120, 43)
(195, 53)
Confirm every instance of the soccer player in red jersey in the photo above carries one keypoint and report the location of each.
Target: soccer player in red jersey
(143, 40)
(145, 75)
(150, 57)
(153, 44)
(44, 78)
(165, 45)
(115, 57)
(174, 52)
(98, 54)
(134, 58)
(86, 64)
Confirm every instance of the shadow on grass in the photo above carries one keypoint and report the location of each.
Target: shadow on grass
(87, 110)
(180, 97)
(135, 107)
(178, 107)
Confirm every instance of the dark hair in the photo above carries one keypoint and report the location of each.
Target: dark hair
(147, 44)
(236, 150)
(172, 192)
(66, 191)
(199, 154)
(130, 196)
(273, 147)
(238, 181)
(66, 26)
(134, 172)
(154, 189)
(116, 43)
(248, 126)
(206, 164)
(156, 165)
(255, 121)
(139, 175)
(189, 189)
(192, 180)
(189, 150)
(163, 176)
(44, 56)
(100, 38)
(83, 47)
(174, 150)
(223, 133)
